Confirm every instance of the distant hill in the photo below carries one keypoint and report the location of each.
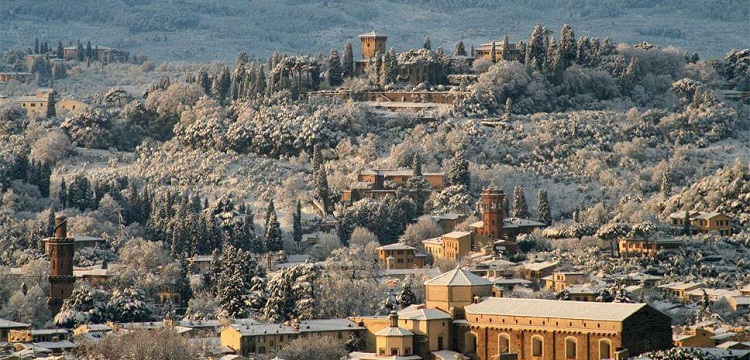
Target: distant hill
(207, 30)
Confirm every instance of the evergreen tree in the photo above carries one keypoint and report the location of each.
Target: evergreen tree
(544, 215)
(629, 76)
(335, 71)
(273, 238)
(80, 53)
(129, 305)
(270, 209)
(459, 50)
(583, 52)
(508, 115)
(686, 226)
(232, 287)
(554, 65)
(535, 51)
(392, 60)
(427, 44)
(320, 180)
(458, 173)
(49, 229)
(347, 63)
(203, 81)
(80, 194)
(493, 52)
(389, 303)
(60, 50)
(520, 208)
(63, 195)
(36, 45)
(666, 184)
(89, 51)
(297, 224)
(417, 188)
(567, 46)
(406, 297)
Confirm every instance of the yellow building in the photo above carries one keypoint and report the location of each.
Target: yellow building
(539, 270)
(550, 329)
(262, 339)
(393, 340)
(503, 50)
(38, 103)
(638, 247)
(679, 290)
(703, 222)
(453, 245)
(6, 326)
(694, 337)
(559, 280)
(69, 105)
(453, 290)
(399, 256)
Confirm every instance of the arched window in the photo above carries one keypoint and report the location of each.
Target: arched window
(605, 349)
(503, 344)
(537, 346)
(570, 348)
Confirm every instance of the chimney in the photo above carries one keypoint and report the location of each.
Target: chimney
(476, 299)
(61, 230)
(394, 318)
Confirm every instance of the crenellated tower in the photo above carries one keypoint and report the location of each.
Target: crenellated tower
(60, 249)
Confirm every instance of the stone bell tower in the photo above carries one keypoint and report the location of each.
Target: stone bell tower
(491, 204)
(60, 250)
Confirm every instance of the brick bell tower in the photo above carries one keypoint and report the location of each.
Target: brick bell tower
(60, 250)
(491, 203)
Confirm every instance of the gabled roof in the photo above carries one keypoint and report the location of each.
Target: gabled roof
(537, 266)
(327, 325)
(709, 215)
(7, 324)
(554, 309)
(372, 33)
(458, 277)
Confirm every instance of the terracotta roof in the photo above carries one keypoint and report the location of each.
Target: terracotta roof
(554, 309)
(458, 277)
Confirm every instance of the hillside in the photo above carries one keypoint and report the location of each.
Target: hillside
(195, 30)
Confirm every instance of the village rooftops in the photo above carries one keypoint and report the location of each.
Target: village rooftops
(48, 332)
(396, 246)
(537, 308)
(458, 277)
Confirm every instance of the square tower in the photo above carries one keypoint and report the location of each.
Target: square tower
(491, 203)
(61, 281)
(372, 44)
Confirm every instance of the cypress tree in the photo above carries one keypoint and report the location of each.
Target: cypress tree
(36, 45)
(63, 195)
(567, 46)
(89, 51)
(60, 50)
(335, 72)
(535, 51)
(666, 184)
(427, 44)
(297, 224)
(507, 116)
(320, 180)
(544, 215)
(270, 209)
(520, 208)
(347, 64)
(80, 54)
(49, 229)
(458, 173)
(273, 234)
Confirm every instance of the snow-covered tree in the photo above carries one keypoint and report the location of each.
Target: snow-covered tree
(458, 172)
(297, 223)
(347, 62)
(314, 347)
(85, 305)
(613, 232)
(544, 215)
(452, 199)
(459, 49)
(129, 305)
(406, 297)
(28, 306)
(273, 240)
(335, 71)
(520, 207)
(427, 45)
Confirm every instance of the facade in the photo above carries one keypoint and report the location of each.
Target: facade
(69, 105)
(638, 247)
(537, 271)
(61, 280)
(499, 50)
(103, 54)
(6, 326)
(262, 339)
(679, 290)
(399, 256)
(374, 183)
(394, 340)
(23, 77)
(559, 280)
(551, 329)
(39, 103)
(702, 222)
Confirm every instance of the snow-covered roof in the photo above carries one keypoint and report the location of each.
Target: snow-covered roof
(84, 238)
(52, 345)
(8, 324)
(396, 246)
(48, 332)
(436, 240)
(445, 355)
(419, 312)
(373, 34)
(680, 286)
(477, 224)
(512, 281)
(682, 214)
(31, 98)
(724, 353)
(262, 329)
(201, 258)
(538, 266)
(458, 277)
(416, 271)
(447, 216)
(709, 215)
(722, 293)
(97, 327)
(741, 300)
(523, 222)
(327, 325)
(456, 234)
(394, 331)
(554, 309)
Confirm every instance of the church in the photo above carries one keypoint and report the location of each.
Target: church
(460, 316)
